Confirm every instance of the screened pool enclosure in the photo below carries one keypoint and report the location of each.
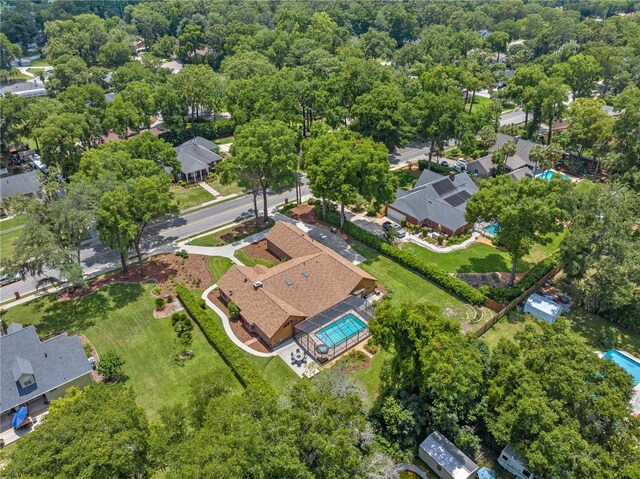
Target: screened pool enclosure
(336, 329)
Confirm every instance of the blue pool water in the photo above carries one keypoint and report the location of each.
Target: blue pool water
(547, 175)
(626, 363)
(340, 330)
(492, 229)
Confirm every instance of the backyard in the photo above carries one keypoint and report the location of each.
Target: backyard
(8, 239)
(483, 258)
(408, 286)
(119, 316)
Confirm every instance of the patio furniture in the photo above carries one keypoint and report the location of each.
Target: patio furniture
(299, 356)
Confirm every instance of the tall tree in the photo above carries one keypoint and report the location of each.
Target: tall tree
(498, 42)
(115, 228)
(526, 210)
(580, 72)
(8, 53)
(264, 152)
(107, 413)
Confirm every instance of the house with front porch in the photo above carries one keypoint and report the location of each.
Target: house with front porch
(34, 372)
(196, 156)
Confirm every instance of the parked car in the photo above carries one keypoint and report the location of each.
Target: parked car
(462, 162)
(388, 225)
(8, 278)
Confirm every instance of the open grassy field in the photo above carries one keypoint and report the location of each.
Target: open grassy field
(40, 62)
(35, 70)
(218, 265)
(483, 258)
(192, 196)
(119, 316)
(408, 286)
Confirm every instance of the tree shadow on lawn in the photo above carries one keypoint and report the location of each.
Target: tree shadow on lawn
(492, 263)
(77, 315)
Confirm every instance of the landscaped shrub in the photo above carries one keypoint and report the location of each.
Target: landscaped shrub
(169, 298)
(182, 253)
(409, 261)
(435, 166)
(110, 365)
(159, 304)
(234, 312)
(209, 130)
(507, 294)
(248, 376)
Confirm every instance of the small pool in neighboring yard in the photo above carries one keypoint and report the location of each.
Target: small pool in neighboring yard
(625, 362)
(547, 175)
(341, 330)
(492, 229)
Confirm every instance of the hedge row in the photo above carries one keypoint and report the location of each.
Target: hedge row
(209, 130)
(505, 295)
(248, 376)
(409, 261)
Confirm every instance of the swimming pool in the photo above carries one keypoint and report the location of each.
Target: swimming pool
(625, 362)
(340, 330)
(547, 175)
(492, 229)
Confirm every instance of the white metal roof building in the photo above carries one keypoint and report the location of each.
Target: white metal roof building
(543, 308)
(446, 460)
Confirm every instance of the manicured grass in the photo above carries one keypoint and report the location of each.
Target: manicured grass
(8, 242)
(408, 286)
(483, 258)
(192, 196)
(584, 185)
(40, 62)
(273, 369)
(251, 261)
(223, 141)
(218, 265)
(11, 223)
(35, 71)
(119, 316)
(225, 190)
(18, 75)
(370, 378)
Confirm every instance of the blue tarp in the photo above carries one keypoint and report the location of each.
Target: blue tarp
(20, 416)
(485, 473)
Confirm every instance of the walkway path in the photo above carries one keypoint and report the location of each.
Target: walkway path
(443, 249)
(208, 188)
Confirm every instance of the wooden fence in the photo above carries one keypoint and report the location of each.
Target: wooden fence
(509, 307)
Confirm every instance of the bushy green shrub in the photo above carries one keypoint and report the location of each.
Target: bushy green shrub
(409, 261)
(159, 303)
(505, 295)
(111, 365)
(435, 166)
(209, 130)
(182, 253)
(235, 359)
(234, 311)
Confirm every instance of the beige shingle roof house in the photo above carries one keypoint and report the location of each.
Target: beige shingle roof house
(312, 279)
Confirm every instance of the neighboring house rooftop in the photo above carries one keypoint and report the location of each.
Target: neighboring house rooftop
(520, 159)
(174, 66)
(25, 183)
(455, 462)
(438, 198)
(52, 363)
(197, 154)
(30, 88)
(314, 279)
(611, 111)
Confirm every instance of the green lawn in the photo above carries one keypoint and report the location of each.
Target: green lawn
(40, 62)
(223, 141)
(192, 196)
(225, 190)
(35, 71)
(584, 185)
(251, 261)
(408, 286)
(218, 265)
(119, 316)
(370, 378)
(8, 240)
(482, 258)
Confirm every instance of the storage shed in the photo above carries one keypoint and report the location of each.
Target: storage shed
(543, 308)
(446, 460)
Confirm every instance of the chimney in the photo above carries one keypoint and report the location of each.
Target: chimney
(257, 284)
(452, 175)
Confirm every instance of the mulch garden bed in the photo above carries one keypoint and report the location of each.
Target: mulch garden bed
(168, 270)
(243, 230)
(490, 279)
(259, 250)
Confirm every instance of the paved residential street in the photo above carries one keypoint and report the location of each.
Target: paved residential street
(514, 117)
(162, 236)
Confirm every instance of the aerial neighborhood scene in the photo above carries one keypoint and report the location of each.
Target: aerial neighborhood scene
(320, 239)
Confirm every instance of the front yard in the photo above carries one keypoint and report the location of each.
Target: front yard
(190, 196)
(119, 316)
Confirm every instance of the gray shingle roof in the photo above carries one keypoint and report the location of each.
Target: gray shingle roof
(196, 154)
(426, 177)
(442, 201)
(457, 464)
(524, 172)
(53, 363)
(26, 183)
(484, 165)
